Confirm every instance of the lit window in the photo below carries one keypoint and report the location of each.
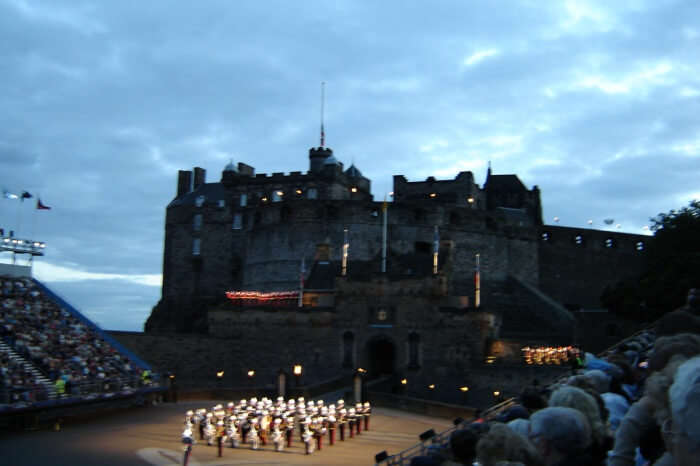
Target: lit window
(353, 189)
(199, 201)
(277, 196)
(312, 193)
(197, 222)
(237, 221)
(578, 239)
(196, 244)
(640, 246)
(244, 200)
(609, 243)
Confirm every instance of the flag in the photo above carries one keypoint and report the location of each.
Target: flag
(40, 206)
(8, 195)
(26, 195)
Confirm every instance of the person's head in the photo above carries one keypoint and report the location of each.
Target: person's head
(578, 399)
(666, 347)
(559, 433)
(501, 443)
(684, 427)
(463, 445)
(531, 398)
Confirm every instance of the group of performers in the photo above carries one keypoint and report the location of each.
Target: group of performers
(254, 422)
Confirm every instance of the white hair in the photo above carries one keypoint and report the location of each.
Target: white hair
(566, 429)
(684, 395)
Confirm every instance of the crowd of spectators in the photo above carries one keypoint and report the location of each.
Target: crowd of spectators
(72, 356)
(637, 404)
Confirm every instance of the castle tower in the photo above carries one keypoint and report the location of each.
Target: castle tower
(317, 157)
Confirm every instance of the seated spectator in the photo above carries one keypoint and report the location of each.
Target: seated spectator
(576, 398)
(683, 429)
(561, 436)
(501, 444)
(462, 447)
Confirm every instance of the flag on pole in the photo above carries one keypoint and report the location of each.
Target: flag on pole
(26, 195)
(8, 195)
(40, 206)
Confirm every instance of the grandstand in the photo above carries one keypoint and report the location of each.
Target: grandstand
(52, 356)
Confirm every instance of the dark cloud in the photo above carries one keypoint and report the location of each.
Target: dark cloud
(597, 103)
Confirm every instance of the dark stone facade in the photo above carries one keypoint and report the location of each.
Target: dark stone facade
(251, 232)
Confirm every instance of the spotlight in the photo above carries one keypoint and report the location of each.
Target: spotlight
(381, 456)
(404, 381)
(431, 386)
(353, 189)
(464, 389)
(427, 435)
(251, 373)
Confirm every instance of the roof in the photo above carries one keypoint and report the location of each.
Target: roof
(212, 193)
(353, 172)
(504, 183)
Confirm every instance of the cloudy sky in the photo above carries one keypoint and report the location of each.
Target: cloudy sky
(102, 102)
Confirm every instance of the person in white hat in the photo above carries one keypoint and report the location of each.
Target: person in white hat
(253, 434)
(366, 412)
(232, 431)
(209, 429)
(277, 438)
(307, 436)
(188, 440)
(342, 422)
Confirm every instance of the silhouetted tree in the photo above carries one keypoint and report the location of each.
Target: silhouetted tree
(672, 267)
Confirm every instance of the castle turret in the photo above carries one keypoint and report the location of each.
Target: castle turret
(317, 157)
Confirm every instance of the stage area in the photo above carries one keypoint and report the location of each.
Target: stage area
(151, 436)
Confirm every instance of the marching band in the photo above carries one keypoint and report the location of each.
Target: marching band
(252, 422)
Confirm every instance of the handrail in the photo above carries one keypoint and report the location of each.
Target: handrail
(420, 448)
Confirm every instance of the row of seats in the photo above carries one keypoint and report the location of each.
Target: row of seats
(49, 353)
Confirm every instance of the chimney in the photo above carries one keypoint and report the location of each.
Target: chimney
(184, 182)
(200, 176)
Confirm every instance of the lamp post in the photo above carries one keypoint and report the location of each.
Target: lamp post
(297, 370)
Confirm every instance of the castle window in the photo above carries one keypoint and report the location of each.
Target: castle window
(422, 246)
(419, 215)
(545, 236)
(199, 201)
(197, 222)
(348, 343)
(196, 245)
(243, 200)
(413, 346)
(312, 193)
(609, 243)
(578, 239)
(222, 203)
(285, 213)
(237, 221)
(277, 196)
(640, 246)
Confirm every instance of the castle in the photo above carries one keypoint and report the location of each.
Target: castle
(312, 260)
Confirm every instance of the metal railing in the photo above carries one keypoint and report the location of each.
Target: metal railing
(404, 457)
(15, 398)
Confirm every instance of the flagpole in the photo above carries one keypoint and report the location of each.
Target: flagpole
(436, 249)
(301, 283)
(346, 246)
(477, 284)
(384, 211)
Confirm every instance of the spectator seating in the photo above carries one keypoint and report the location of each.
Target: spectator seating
(49, 351)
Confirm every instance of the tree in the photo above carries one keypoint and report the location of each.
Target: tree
(672, 268)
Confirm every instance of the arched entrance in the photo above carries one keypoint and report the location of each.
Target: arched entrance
(381, 356)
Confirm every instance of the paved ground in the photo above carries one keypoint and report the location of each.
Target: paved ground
(151, 436)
